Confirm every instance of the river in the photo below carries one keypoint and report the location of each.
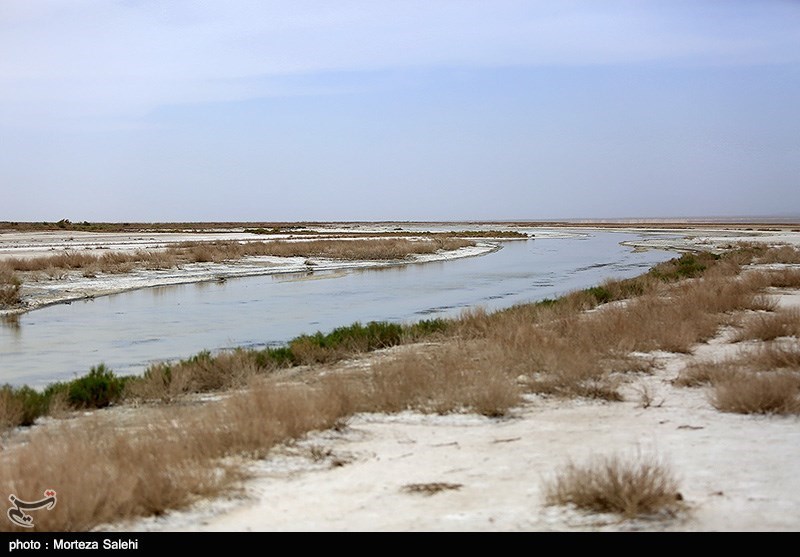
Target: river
(130, 330)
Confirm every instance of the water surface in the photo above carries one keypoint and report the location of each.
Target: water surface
(128, 331)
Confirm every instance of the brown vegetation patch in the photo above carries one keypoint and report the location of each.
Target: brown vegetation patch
(757, 393)
(783, 323)
(630, 487)
(460, 377)
(220, 251)
(780, 254)
(10, 285)
(783, 278)
(700, 373)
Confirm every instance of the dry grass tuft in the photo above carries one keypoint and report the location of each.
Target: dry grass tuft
(784, 278)
(782, 323)
(11, 410)
(780, 254)
(704, 373)
(10, 285)
(164, 459)
(143, 472)
(198, 374)
(771, 356)
(634, 487)
(757, 393)
(455, 378)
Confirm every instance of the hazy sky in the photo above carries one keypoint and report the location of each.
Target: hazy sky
(154, 110)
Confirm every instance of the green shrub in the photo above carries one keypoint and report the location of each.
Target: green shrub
(687, 265)
(600, 293)
(97, 389)
(356, 337)
(427, 327)
(281, 356)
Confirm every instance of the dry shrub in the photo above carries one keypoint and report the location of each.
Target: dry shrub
(757, 393)
(783, 278)
(11, 410)
(152, 260)
(475, 323)
(66, 260)
(719, 295)
(240, 432)
(59, 405)
(744, 253)
(567, 366)
(726, 267)
(102, 472)
(780, 254)
(548, 343)
(612, 484)
(764, 302)
(623, 289)
(198, 374)
(160, 382)
(775, 355)
(459, 377)
(114, 258)
(55, 273)
(675, 319)
(705, 372)
(654, 323)
(782, 323)
(162, 460)
(91, 271)
(297, 408)
(578, 301)
(10, 285)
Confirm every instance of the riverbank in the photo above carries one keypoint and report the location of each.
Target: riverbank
(736, 472)
(462, 471)
(57, 285)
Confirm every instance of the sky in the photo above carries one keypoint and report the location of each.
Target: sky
(292, 110)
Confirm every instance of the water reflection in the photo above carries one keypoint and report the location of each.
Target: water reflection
(11, 322)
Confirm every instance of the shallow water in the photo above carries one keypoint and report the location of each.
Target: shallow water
(128, 331)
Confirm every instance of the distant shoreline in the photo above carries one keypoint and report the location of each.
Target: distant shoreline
(289, 226)
(75, 287)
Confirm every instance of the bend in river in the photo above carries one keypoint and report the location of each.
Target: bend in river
(131, 330)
